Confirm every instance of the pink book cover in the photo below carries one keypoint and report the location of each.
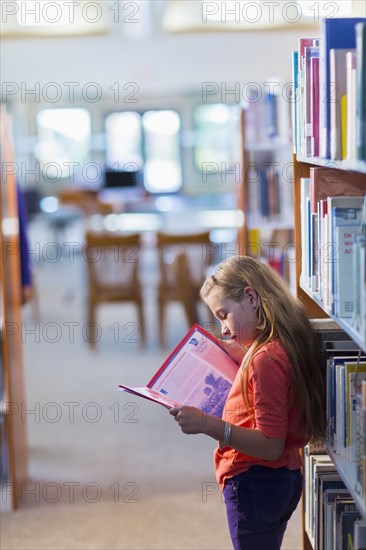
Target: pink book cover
(315, 105)
(304, 80)
(331, 182)
(304, 43)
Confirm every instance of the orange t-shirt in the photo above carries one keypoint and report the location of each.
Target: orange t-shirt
(272, 395)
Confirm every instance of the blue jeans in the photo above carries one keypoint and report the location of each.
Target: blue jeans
(259, 503)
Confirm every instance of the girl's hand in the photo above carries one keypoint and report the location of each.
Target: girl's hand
(190, 419)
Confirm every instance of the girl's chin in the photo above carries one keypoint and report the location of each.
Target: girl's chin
(242, 343)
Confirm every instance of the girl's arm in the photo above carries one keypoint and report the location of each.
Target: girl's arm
(245, 440)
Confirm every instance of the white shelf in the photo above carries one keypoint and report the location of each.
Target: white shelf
(348, 475)
(266, 146)
(350, 165)
(268, 224)
(6, 499)
(342, 323)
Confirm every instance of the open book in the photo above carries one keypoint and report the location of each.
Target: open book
(198, 372)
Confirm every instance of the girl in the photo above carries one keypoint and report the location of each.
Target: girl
(276, 403)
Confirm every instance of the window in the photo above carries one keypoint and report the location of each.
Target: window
(242, 10)
(257, 15)
(339, 8)
(124, 140)
(64, 141)
(163, 171)
(23, 18)
(32, 13)
(216, 128)
(150, 140)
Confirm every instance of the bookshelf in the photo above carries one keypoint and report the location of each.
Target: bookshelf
(351, 165)
(312, 126)
(264, 190)
(316, 309)
(348, 477)
(13, 446)
(342, 323)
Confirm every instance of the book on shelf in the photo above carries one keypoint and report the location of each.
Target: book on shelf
(355, 374)
(199, 372)
(351, 62)
(346, 215)
(305, 231)
(359, 290)
(267, 193)
(310, 54)
(270, 245)
(272, 110)
(330, 182)
(346, 513)
(314, 107)
(338, 83)
(294, 99)
(264, 193)
(307, 48)
(359, 535)
(262, 115)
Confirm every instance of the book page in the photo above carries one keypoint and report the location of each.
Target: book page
(152, 395)
(199, 373)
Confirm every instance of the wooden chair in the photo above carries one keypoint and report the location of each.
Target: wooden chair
(113, 274)
(183, 263)
(87, 200)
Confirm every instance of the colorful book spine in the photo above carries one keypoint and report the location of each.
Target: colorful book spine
(351, 104)
(315, 111)
(294, 99)
(338, 83)
(359, 287)
(346, 220)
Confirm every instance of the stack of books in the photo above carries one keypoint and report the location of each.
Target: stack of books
(332, 519)
(333, 213)
(329, 92)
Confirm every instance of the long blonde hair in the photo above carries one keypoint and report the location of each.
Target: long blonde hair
(280, 315)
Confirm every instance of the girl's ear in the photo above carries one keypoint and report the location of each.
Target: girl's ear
(250, 293)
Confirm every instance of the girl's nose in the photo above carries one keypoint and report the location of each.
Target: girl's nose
(225, 331)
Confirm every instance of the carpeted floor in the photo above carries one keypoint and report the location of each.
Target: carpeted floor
(107, 471)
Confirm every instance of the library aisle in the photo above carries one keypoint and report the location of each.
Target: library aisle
(107, 471)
